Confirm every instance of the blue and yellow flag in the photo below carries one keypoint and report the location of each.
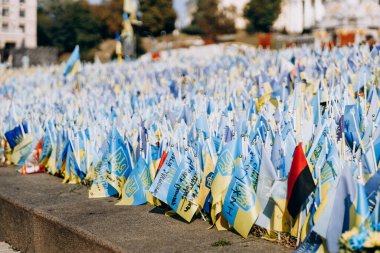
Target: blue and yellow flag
(100, 187)
(279, 219)
(178, 187)
(329, 170)
(16, 135)
(164, 179)
(350, 208)
(82, 138)
(228, 159)
(313, 243)
(46, 150)
(21, 143)
(72, 65)
(113, 168)
(51, 166)
(73, 174)
(183, 193)
(61, 146)
(207, 176)
(241, 207)
(118, 160)
(136, 188)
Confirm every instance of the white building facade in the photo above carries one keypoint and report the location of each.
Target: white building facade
(18, 23)
(186, 8)
(298, 15)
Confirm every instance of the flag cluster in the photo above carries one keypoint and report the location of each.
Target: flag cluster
(287, 140)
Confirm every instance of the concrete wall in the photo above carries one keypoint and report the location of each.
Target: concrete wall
(37, 56)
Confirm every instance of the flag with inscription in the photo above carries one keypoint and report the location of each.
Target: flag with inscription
(225, 165)
(240, 206)
(178, 187)
(207, 176)
(163, 181)
(183, 193)
(313, 243)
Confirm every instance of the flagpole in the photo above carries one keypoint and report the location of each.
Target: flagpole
(357, 131)
(365, 100)
(299, 228)
(377, 207)
(373, 154)
(361, 172)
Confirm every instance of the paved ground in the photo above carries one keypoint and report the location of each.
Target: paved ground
(39, 214)
(6, 248)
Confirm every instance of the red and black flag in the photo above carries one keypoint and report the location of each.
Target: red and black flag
(300, 182)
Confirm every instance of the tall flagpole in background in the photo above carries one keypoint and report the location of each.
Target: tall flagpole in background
(128, 39)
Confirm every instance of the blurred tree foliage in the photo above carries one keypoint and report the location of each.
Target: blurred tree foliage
(210, 20)
(109, 14)
(261, 14)
(65, 23)
(156, 16)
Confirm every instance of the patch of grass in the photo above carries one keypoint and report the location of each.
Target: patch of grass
(222, 242)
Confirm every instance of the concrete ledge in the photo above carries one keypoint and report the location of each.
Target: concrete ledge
(38, 214)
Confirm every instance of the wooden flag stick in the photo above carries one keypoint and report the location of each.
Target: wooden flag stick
(357, 132)
(377, 209)
(299, 228)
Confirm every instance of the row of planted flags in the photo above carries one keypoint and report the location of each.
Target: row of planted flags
(286, 140)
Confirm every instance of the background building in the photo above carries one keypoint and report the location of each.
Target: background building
(18, 24)
(186, 8)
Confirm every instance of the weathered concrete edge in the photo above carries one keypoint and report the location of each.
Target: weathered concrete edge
(32, 230)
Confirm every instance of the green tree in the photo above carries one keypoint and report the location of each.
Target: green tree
(64, 23)
(261, 14)
(212, 20)
(109, 14)
(157, 16)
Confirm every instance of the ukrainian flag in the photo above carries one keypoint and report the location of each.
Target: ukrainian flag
(21, 143)
(183, 192)
(241, 207)
(328, 171)
(73, 174)
(208, 173)
(136, 187)
(72, 65)
(118, 160)
(165, 177)
(51, 166)
(46, 151)
(22, 150)
(279, 220)
(100, 187)
(224, 169)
